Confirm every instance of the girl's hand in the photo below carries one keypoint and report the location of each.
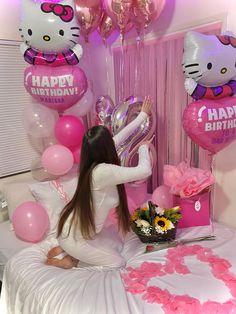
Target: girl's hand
(147, 105)
(148, 142)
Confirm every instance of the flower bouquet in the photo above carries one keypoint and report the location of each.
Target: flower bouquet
(155, 224)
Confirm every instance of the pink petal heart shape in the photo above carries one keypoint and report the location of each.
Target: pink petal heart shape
(211, 123)
(136, 281)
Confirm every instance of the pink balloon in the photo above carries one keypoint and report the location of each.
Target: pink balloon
(76, 153)
(57, 160)
(145, 12)
(30, 222)
(162, 197)
(120, 13)
(57, 88)
(106, 27)
(69, 131)
(89, 14)
(211, 123)
(112, 217)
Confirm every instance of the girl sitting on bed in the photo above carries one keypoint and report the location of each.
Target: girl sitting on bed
(100, 188)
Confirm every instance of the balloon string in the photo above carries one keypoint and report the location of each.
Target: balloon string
(137, 67)
(213, 192)
(89, 116)
(108, 82)
(122, 69)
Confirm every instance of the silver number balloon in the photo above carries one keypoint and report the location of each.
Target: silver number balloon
(122, 115)
(104, 107)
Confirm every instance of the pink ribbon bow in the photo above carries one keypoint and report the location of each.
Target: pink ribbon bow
(65, 12)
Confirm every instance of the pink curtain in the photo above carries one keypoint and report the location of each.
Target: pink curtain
(154, 68)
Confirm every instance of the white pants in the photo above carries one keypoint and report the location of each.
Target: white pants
(103, 250)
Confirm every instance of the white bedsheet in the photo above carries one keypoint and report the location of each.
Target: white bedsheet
(30, 287)
(9, 245)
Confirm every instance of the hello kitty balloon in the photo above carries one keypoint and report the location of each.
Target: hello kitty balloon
(209, 63)
(50, 33)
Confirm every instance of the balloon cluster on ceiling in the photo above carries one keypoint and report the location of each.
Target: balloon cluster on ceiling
(122, 15)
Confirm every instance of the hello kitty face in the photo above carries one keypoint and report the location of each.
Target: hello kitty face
(209, 59)
(48, 26)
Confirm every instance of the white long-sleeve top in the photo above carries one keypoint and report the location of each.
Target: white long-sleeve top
(106, 177)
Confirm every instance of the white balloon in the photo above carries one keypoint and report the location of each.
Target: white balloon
(39, 173)
(39, 121)
(83, 106)
(39, 144)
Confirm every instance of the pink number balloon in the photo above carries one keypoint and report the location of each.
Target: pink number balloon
(211, 123)
(57, 88)
(69, 131)
(162, 197)
(57, 160)
(30, 222)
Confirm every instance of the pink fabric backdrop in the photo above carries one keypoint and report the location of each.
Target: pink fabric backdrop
(154, 69)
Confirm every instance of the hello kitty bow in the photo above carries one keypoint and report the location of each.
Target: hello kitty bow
(65, 12)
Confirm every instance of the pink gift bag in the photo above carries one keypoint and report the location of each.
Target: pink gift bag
(195, 210)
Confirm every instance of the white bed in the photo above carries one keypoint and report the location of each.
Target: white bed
(9, 245)
(204, 281)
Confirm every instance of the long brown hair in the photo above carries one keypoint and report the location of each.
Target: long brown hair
(97, 147)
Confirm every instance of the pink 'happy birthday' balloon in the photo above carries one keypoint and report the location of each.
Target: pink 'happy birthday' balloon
(57, 88)
(211, 123)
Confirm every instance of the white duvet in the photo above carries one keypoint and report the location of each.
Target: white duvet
(30, 287)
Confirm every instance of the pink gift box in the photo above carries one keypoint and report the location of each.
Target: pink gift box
(195, 210)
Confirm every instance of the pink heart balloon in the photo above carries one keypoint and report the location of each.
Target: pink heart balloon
(57, 88)
(211, 123)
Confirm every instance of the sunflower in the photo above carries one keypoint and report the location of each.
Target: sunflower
(163, 224)
(135, 215)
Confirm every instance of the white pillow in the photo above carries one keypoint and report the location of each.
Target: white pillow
(53, 196)
(15, 194)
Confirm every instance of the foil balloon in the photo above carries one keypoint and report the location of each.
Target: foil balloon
(82, 107)
(145, 12)
(57, 88)
(122, 115)
(104, 107)
(50, 33)
(106, 27)
(209, 65)
(89, 14)
(120, 13)
(211, 124)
